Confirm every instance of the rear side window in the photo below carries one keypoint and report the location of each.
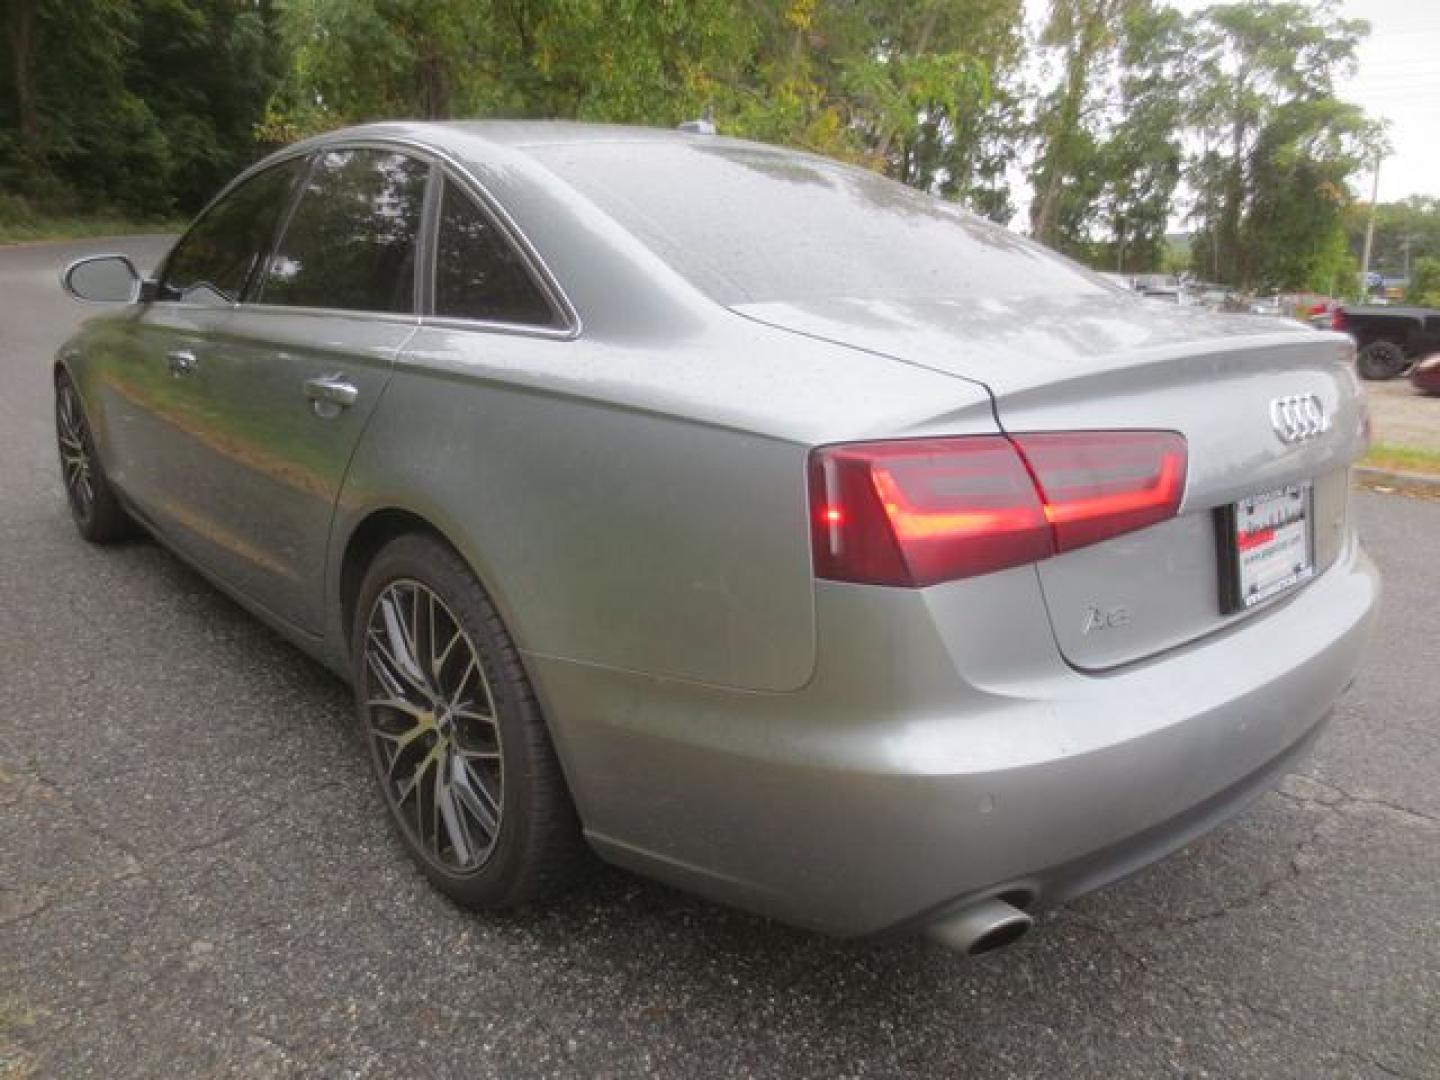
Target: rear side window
(215, 259)
(351, 242)
(478, 273)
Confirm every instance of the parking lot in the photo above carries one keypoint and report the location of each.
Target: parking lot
(1404, 417)
(196, 877)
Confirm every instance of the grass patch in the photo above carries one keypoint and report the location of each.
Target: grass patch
(22, 222)
(1403, 459)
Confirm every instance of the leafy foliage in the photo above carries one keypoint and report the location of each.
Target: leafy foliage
(1405, 232)
(1278, 145)
(140, 103)
(1424, 287)
(1123, 114)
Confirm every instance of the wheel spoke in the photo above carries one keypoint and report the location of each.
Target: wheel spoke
(466, 711)
(401, 646)
(396, 673)
(386, 671)
(460, 841)
(438, 663)
(474, 794)
(401, 740)
(412, 785)
(400, 704)
(472, 668)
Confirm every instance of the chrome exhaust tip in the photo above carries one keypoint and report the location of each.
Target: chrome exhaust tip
(981, 928)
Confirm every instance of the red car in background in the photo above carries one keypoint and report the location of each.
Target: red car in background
(1425, 376)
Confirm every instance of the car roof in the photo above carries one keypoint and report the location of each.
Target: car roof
(477, 136)
(498, 140)
(523, 133)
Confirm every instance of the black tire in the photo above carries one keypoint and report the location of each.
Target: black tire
(94, 505)
(536, 850)
(1381, 360)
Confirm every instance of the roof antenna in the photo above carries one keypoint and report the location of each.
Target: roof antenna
(704, 126)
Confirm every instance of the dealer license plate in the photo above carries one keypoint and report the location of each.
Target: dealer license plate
(1273, 547)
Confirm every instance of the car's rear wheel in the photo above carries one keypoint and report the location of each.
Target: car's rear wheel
(93, 503)
(1381, 360)
(454, 732)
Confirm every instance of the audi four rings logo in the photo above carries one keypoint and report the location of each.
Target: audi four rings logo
(1298, 418)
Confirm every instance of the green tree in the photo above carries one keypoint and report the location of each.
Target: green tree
(950, 96)
(1405, 231)
(1139, 162)
(144, 104)
(1424, 288)
(1278, 146)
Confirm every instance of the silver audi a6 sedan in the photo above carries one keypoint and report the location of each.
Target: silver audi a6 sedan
(758, 523)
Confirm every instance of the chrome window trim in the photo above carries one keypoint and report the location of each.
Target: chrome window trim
(402, 318)
(554, 333)
(439, 160)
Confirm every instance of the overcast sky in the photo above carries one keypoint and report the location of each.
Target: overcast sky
(1399, 79)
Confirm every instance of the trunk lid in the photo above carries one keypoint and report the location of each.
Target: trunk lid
(1120, 363)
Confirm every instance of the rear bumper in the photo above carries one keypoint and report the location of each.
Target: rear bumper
(944, 752)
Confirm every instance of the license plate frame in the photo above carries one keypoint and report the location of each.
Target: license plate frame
(1266, 544)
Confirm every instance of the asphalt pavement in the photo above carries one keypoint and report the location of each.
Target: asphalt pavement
(196, 877)
(1403, 416)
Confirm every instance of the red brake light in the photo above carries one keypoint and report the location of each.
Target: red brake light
(1099, 484)
(1337, 319)
(921, 511)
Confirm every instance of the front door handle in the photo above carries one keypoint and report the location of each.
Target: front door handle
(331, 390)
(182, 362)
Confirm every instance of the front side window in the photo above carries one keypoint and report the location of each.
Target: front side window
(478, 273)
(351, 242)
(215, 259)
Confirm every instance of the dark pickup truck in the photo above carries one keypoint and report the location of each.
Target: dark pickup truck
(1389, 339)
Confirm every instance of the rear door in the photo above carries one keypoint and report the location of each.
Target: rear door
(298, 370)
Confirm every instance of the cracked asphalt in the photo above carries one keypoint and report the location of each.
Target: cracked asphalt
(196, 879)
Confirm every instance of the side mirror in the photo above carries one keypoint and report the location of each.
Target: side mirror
(103, 279)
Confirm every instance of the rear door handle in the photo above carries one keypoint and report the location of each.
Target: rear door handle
(334, 389)
(182, 362)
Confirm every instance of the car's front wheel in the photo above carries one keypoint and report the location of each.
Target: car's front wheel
(93, 502)
(454, 732)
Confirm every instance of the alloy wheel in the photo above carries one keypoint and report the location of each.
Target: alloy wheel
(432, 727)
(75, 460)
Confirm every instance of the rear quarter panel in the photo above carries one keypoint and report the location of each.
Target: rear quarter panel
(640, 504)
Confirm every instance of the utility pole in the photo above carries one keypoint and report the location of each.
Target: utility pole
(1370, 233)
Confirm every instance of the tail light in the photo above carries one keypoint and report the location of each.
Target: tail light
(921, 511)
(1337, 319)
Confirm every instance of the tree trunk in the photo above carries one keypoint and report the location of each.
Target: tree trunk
(21, 32)
(1044, 211)
(1228, 235)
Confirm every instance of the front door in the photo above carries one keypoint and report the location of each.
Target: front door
(304, 361)
(150, 367)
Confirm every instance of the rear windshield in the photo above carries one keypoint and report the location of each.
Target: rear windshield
(751, 224)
